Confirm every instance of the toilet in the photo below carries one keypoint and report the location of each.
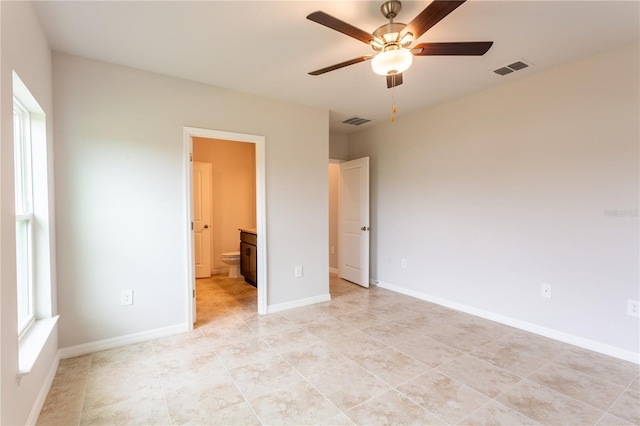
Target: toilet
(232, 259)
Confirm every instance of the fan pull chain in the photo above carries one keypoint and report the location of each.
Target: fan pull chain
(393, 98)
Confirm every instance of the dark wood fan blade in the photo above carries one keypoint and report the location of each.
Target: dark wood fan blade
(430, 16)
(394, 80)
(341, 65)
(340, 26)
(471, 48)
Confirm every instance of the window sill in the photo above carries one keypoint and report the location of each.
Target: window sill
(33, 342)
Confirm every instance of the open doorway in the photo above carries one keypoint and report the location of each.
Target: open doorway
(224, 198)
(191, 135)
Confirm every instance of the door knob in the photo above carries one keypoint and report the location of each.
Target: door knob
(206, 226)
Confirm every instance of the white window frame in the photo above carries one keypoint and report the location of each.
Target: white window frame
(23, 174)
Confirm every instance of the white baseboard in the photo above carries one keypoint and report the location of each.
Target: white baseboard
(44, 391)
(298, 303)
(115, 342)
(522, 325)
(333, 271)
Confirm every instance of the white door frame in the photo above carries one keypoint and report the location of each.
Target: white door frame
(358, 228)
(259, 141)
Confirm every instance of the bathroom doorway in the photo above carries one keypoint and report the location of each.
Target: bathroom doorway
(238, 189)
(232, 183)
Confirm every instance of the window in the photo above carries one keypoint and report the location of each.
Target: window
(24, 215)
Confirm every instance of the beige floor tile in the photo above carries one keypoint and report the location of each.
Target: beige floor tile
(457, 338)
(71, 369)
(104, 390)
(428, 351)
(264, 376)
(392, 367)
(448, 399)
(391, 332)
(336, 307)
(134, 411)
(267, 356)
(391, 408)
(518, 361)
(485, 378)
(191, 401)
(356, 344)
(307, 314)
(298, 404)
(338, 420)
(131, 359)
(627, 406)
(547, 406)
(228, 333)
(389, 311)
(236, 415)
(63, 404)
(200, 360)
(348, 385)
(326, 329)
(585, 388)
(244, 352)
(264, 325)
(527, 342)
(192, 339)
(488, 329)
(496, 414)
(600, 366)
(287, 340)
(361, 318)
(315, 358)
(611, 420)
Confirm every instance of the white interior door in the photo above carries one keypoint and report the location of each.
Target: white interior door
(202, 218)
(353, 221)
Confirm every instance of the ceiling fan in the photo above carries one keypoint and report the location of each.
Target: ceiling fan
(392, 42)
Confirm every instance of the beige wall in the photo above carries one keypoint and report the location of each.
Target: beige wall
(121, 195)
(493, 194)
(25, 50)
(233, 193)
(334, 180)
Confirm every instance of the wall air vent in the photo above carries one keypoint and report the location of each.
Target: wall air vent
(516, 66)
(355, 121)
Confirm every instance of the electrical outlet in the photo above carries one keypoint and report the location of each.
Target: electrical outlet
(298, 271)
(403, 263)
(545, 290)
(633, 308)
(126, 297)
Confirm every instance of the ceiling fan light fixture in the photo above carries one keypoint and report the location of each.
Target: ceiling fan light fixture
(392, 61)
(406, 39)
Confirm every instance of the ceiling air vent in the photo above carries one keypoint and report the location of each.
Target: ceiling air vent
(516, 66)
(355, 121)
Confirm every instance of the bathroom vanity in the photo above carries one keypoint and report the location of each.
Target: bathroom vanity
(248, 256)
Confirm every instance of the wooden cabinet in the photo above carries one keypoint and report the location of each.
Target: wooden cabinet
(249, 257)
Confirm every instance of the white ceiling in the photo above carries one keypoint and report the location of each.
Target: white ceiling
(268, 47)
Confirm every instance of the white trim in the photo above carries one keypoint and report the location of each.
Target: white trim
(261, 215)
(522, 325)
(33, 342)
(44, 391)
(101, 345)
(298, 303)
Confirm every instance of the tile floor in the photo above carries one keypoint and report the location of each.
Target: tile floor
(368, 357)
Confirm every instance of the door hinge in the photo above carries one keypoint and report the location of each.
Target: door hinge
(192, 226)
(194, 293)
(191, 156)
